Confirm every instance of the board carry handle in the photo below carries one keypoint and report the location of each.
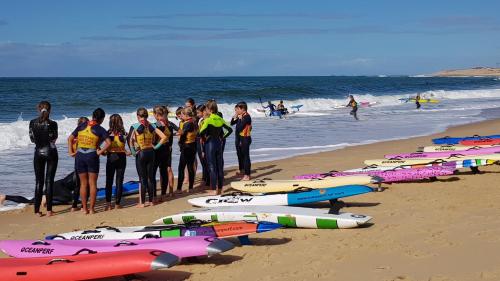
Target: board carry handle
(108, 228)
(56, 237)
(158, 227)
(236, 193)
(302, 189)
(395, 158)
(125, 243)
(59, 261)
(85, 250)
(91, 231)
(195, 223)
(41, 242)
(372, 166)
(455, 155)
(149, 236)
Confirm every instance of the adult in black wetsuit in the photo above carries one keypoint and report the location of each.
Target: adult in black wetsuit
(43, 133)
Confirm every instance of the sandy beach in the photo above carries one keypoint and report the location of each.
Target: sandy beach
(444, 230)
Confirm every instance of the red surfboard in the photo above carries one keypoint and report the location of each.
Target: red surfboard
(481, 142)
(84, 267)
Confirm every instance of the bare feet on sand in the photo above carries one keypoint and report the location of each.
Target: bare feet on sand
(2, 199)
(75, 209)
(245, 178)
(50, 213)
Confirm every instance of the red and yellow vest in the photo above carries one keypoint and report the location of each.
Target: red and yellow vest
(117, 145)
(86, 139)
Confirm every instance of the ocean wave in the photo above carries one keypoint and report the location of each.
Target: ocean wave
(15, 134)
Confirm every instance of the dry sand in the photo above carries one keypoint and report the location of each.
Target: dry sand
(445, 230)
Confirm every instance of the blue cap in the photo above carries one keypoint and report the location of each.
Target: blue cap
(267, 226)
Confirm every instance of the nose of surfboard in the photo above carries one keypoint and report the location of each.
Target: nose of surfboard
(267, 226)
(164, 260)
(219, 246)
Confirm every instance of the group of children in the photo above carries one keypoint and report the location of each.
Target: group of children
(202, 132)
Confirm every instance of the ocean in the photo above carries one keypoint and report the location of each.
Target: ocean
(323, 123)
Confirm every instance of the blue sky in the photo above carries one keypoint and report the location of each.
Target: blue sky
(240, 38)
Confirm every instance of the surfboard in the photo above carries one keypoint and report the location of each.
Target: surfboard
(445, 154)
(272, 186)
(444, 148)
(221, 230)
(481, 142)
(293, 198)
(422, 100)
(430, 161)
(85, 267)
(287, 216)
(182, 247)
(393, 175)
(129, 188)
(455, 140)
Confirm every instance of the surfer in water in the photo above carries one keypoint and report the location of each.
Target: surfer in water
(354, 105)
(417, 101)
(282, 108)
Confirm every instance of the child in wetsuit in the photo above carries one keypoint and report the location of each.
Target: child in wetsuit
(163, 156)
(143, 148)
(200, 146)
(187, 145)
(417, 101)
(354, 105)
(76, 193)
(116, 160)
(243, 138)
(89, 137)
(213, 131)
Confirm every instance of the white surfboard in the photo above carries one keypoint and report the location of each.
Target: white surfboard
(270, 186)
(285, 215)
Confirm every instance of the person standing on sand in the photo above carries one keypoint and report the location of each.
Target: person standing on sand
(116, 162)
(354, 105)
(214, 130)
(89, 137)
(43, 133)
(243, 138)
(142, 146)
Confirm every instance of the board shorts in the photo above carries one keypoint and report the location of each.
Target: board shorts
(87, 162)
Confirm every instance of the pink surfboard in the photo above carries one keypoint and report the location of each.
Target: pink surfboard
(182, 247)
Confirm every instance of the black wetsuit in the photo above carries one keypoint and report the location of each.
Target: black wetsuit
(243, 140)
(213, 131)
(417, 102)
(115, 164)
(44, 134)
(163, 155)
(354, 111)
(200, 148)
(187, 145)
(145, 163)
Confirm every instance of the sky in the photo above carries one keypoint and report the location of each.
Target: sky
(69, 38)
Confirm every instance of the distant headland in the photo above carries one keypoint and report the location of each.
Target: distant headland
(475, 71)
